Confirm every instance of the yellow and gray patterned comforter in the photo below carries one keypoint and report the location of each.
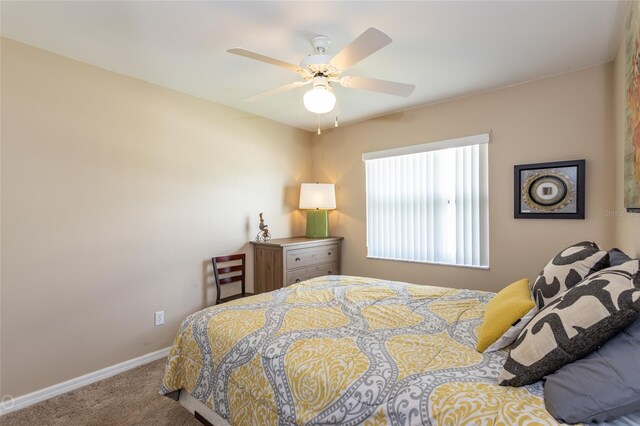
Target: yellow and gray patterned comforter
(347, 350)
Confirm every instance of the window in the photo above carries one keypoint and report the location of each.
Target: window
(429, 202)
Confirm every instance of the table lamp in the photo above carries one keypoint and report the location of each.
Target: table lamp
(317, 198)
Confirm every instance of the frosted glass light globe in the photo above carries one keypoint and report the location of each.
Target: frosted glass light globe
(320, 100)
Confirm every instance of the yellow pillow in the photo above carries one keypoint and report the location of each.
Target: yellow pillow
(505, 317)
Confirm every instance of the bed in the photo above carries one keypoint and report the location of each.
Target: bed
(346, 350)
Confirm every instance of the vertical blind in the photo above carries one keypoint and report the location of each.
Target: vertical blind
(430, 205)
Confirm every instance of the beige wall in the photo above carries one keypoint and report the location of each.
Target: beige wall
(627, 225)
(561, 118)
(115, 193)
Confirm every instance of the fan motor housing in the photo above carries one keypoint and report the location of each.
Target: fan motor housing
(316, 59)
(319, 64)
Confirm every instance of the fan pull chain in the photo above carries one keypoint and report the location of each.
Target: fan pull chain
(335, 123)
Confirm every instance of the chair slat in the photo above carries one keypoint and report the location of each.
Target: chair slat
(229, 280)
(227, 269)
(230, 257)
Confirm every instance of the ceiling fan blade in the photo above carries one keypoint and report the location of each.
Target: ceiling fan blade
(276, 90)
(366, 44)
(375, 85)
(267, 59)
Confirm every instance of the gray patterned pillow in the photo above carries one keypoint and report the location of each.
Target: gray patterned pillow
(574, 324)
(567, 269)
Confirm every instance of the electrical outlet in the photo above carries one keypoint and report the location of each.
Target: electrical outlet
(159, 318)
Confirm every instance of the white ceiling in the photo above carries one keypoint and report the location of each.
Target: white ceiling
(447, 49)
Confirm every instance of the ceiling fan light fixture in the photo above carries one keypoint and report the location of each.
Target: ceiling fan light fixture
(322, 69)
(320, 99)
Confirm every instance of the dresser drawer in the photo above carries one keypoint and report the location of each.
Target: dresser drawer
(300, 258)
(299, 275)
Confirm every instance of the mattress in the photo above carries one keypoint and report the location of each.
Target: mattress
(348, 350)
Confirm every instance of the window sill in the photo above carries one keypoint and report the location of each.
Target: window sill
(484, 268)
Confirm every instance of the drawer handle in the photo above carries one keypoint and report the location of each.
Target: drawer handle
(329, 253)
(297, 280)
(297, 259)
(330, 272)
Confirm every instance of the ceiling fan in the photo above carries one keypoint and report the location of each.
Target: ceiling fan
(321, 70)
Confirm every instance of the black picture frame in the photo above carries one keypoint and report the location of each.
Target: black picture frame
(573, 187)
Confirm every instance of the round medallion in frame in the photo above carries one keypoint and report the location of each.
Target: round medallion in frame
(548, 191)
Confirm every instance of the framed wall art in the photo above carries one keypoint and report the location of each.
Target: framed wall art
(549, 190)
(632, 133)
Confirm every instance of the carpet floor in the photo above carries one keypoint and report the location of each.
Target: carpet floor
(129, 398)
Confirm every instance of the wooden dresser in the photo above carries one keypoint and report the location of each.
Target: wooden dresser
(285, 261)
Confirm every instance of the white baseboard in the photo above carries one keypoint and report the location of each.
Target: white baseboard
(8, 405)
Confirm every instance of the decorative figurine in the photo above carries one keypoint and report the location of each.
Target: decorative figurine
(264, 235)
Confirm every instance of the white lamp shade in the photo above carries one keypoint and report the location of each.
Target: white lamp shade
(320, 100)
(318, 196)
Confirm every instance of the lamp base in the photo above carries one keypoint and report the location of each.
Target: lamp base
(317, 224)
